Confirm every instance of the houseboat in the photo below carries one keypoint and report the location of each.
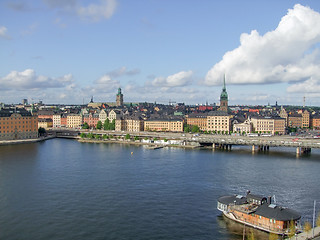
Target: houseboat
(258, 212)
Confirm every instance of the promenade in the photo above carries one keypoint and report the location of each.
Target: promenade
(304, 235)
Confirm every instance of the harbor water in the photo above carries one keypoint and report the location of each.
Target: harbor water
(63, 189)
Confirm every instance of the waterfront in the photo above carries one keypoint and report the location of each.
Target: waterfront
(63, 189)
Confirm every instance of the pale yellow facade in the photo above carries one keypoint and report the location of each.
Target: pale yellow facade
(269, 125)
(74, 121)
(218, 123)
(129, 125)
(164, 125)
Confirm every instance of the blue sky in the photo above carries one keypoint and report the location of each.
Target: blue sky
(65, 51)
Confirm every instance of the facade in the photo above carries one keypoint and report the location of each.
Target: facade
(113, 115)
(119, 99)
(270, 125)
(45, 123)
(103, 115)
(129, 124)
(218, 121)
(294, 120)
(17, 124)
(91, 118)
(315, 122)
(305, 119)
(245, 127)
(163, 125)
(284, 114)
(198, 119)
(224, 97)
(56, 121)
(74, 120)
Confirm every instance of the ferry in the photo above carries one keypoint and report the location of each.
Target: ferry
(258, 212)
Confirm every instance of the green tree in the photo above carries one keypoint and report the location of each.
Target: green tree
(186, 129)
(307, 227)
(99, 125)
(165, 140)
(112, 125)
(41, 131)
(105, 136)
(127, 136)
(97, 136)
(195, 129)
(90, 135)
(136, 138)
(85, 125)
(83, 135)
(106, 124)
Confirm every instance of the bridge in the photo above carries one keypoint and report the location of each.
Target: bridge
(258, 143)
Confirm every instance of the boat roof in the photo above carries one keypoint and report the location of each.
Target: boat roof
(237, 199)
(273, 211)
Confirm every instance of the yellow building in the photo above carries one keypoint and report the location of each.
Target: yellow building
(45, 123)
(305, 119)
(74, 120)
(129, 124)
(198, 119)
(17, 124)
(219, 122)
(163, 125)
(269, 125)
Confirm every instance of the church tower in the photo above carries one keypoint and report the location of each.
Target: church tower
(119, 99)
(224, 97)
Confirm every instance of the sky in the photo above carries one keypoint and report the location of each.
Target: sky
(66, 51)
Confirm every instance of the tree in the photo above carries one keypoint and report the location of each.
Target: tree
(195, 129)
(90, 135)
(99, 125)
(105, 136)
(85, 125)
(273, 236)
(251, 235)
(112, 125)
(106, 124)
(318, 220)
(186, 129)
(136, 138)
(127, 136)
(165, 140)
(97, 136)
(83, 135)
(41, 131)
(307, 227)
(292, 229)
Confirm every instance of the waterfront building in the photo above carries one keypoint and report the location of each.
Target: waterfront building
(218, 121)
(271, 125)
(74, 120)
(63, 120)
(283, 114)
(103, 115)
(45, 123)
(294, 120)
(315, 121)
(91, 118)
(114, 114)
(119, 99)
(132, 123)
(224, 97)
(244, 127)
(45, 114)
(305, 119)
(17, 124)
(198, 119)
(56, 121)
(164, 125)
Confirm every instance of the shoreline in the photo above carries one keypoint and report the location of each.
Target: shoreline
(24, 141)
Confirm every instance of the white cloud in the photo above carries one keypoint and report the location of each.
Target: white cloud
(123, 72)
(96, 12)
(287, 54)
(3, 33)
(176, 80)
(28, 79)
(102, 9)
(309, 86)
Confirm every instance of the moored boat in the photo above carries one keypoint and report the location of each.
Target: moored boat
(258, 212)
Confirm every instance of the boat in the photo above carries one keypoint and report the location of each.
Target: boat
(259, 212)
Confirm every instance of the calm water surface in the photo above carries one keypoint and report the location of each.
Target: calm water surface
(63, 189)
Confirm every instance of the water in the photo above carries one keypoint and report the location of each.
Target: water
(63, 189)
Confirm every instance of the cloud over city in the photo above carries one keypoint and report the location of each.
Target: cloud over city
(28, 79)
(179, 79)
(290, 54)
(3, 33)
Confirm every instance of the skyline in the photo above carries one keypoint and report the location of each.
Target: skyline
(67, 51)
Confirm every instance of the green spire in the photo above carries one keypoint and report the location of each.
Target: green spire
(224, 94)
(119, 91)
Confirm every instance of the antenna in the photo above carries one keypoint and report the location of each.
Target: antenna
(304, 101)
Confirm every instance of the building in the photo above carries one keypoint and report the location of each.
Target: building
(74, 120)
(244, 127)
(305, 119)
(164, 125)
(91, 119)
(269, 125)
(283, 114)
(114, 114)
(56, 121)
(45, 123)
(294, 120)
(103, 115)
(129, 123)
(198, 119)
(119, 99)
(17, 124)
(315, 122)
(219, 122)
(224, 97)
